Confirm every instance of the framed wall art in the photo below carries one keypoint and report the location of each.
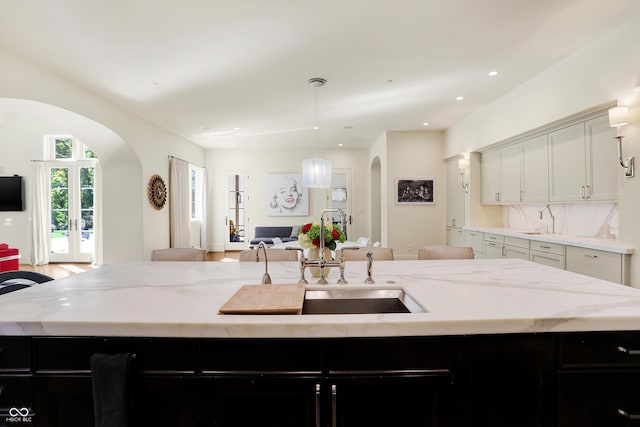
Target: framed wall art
(286, 196)
(415, 191)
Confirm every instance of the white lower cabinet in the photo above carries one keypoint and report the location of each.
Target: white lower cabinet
(610, 266)
(515, 247)
(551, 254)
(475, 240)
(455, 236)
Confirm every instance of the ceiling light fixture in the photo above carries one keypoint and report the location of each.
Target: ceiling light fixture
(493, 73)
(425, 124)
(316, 172)
(459, 98)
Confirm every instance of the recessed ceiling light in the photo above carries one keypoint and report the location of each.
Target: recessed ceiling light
(205, 128)
(340, 145)
(236, 128)
(389, 81)
(348, 127)
(493, 73)
(425, 124)
(459, 98)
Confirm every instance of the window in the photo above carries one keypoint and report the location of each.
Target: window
(66, 147)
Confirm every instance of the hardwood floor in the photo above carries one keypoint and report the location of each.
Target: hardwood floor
(61, 270)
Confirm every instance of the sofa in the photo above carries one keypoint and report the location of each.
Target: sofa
(267, 233)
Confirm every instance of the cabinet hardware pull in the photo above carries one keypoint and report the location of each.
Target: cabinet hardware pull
(504, 251)
(588, 191)
(582, 192)
(317, 405)
(334, 417)
(545, 247)
(629, 352)
(591, 256)
(628, 415)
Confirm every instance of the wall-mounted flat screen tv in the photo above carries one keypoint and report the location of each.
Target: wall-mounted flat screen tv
(11, 193)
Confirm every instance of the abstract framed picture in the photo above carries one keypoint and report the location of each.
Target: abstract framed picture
(415, 191)
(286, 196)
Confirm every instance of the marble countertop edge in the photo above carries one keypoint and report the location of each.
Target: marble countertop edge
(608, 245)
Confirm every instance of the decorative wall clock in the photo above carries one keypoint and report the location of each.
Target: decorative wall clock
(157, 192)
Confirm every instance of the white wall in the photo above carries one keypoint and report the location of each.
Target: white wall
(415, 154)
(260, 163)
(136, 150)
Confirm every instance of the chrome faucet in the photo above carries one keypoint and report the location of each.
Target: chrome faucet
(266, 279)
(322, 262)
(369, 280)
(553, 218)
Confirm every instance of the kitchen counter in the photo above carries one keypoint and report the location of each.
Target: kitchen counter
(608, 245)
(169, 299)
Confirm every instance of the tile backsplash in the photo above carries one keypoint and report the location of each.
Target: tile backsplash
(577, 219)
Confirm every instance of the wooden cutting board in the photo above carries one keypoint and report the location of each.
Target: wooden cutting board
(266, 299)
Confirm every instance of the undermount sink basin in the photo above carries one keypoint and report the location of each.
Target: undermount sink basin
(531, 233)
(359, 301)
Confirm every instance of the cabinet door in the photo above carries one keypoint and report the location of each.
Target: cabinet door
(490, 172)
(516, 252)
(567, 160)
(594, 263)
(63, 401)
(493, 250)
(455, 195)
(603, 170)
(546, 258)
(259, 401)
(510, 164)
(599, 398)
(375, 401)
(535, 170)
(510, 381)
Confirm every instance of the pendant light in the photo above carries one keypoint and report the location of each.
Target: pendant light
(316, 172)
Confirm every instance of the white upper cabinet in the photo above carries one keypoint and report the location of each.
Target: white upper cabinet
(491, 177)
(582, 162)
(455, 195)
(535, 170)
(603, 168)
(510, 165)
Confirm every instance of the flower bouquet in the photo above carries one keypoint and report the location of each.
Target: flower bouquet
(309, 236)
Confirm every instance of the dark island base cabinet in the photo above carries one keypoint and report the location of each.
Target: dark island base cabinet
(563, 380)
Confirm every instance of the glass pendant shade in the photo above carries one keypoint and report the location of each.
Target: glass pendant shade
(316, 173)
(618, 116)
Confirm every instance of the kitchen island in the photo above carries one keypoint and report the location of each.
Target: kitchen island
(502, 342)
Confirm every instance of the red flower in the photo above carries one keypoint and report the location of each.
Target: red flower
(335, 234)
(316, 242)
(305, 228)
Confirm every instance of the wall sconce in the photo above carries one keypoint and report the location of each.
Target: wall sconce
(619, 117)
(462, 165)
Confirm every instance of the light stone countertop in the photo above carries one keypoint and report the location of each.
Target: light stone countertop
(608, 245)
(181, 299)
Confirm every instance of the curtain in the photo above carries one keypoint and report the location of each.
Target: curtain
(41, 214)
(203, 214)
(97, 215)
(179, 204)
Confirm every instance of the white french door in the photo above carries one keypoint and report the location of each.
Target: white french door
(72, 190)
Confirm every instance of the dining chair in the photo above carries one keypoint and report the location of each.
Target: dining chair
(379, 254)
(179, 254)
(445, 252)
(20, 279)
(272, 255)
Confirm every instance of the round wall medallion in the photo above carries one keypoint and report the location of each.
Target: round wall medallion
(157, 192)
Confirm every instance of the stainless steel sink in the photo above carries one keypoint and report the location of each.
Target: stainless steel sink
(359, 301)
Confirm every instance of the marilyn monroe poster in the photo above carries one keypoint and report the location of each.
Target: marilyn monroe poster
(285, 195)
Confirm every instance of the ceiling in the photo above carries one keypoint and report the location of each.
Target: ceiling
(233, 73)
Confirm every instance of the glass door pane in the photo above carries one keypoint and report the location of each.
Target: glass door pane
(60, 223)
(236, 212)
(86, 231)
